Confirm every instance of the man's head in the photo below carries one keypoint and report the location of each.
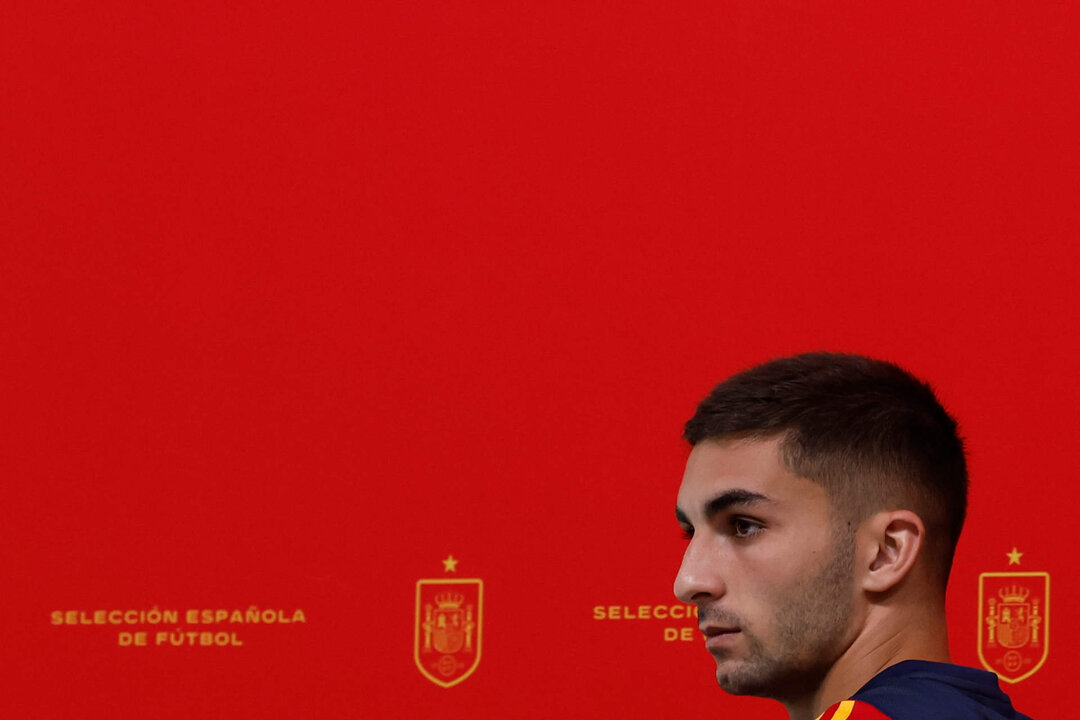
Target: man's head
(791, 459)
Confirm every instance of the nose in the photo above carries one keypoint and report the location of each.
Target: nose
(700, 575)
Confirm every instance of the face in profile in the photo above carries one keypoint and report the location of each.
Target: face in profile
(767, 566)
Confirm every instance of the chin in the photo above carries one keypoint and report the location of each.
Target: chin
(777, 682)
(739, 687)
(736, 681)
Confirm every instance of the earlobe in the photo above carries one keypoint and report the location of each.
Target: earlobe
(894, 539)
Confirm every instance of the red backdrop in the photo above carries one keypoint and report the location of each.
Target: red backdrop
(301, 299)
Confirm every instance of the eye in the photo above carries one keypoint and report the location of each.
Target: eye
(687, 532)
(745, 527)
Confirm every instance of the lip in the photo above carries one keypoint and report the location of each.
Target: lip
(718, 636)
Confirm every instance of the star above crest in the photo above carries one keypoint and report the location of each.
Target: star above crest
(1014, 556)
(450, 564)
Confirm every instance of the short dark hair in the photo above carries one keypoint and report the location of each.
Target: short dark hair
(872, 433)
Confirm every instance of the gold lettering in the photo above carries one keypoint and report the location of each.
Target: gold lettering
(620, 612)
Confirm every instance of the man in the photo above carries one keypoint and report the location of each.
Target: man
(822, 502)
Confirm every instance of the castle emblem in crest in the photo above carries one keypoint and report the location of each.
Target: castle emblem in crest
(1014, 622)
(449, 617)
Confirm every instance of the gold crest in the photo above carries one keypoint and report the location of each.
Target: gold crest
(449, 623)
(1014, 622)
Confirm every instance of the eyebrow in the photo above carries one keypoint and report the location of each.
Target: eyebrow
(723, 501)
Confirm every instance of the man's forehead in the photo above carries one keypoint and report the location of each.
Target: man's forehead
(722, 459)
(718, 466)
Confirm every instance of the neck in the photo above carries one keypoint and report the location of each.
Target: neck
(888, 636)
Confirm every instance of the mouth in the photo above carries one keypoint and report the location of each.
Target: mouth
(717, 636)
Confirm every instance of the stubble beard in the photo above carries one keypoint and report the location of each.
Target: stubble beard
(809, 628)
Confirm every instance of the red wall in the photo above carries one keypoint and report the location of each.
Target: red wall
(300, 299)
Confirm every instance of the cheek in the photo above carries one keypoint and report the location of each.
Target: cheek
(775, 571)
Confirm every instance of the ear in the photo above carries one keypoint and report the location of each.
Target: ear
(889, 544)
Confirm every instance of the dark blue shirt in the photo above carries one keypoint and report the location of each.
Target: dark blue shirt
(920, 690)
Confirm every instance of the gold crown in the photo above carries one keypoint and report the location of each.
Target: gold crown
(449, 600)
(1013, 593)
